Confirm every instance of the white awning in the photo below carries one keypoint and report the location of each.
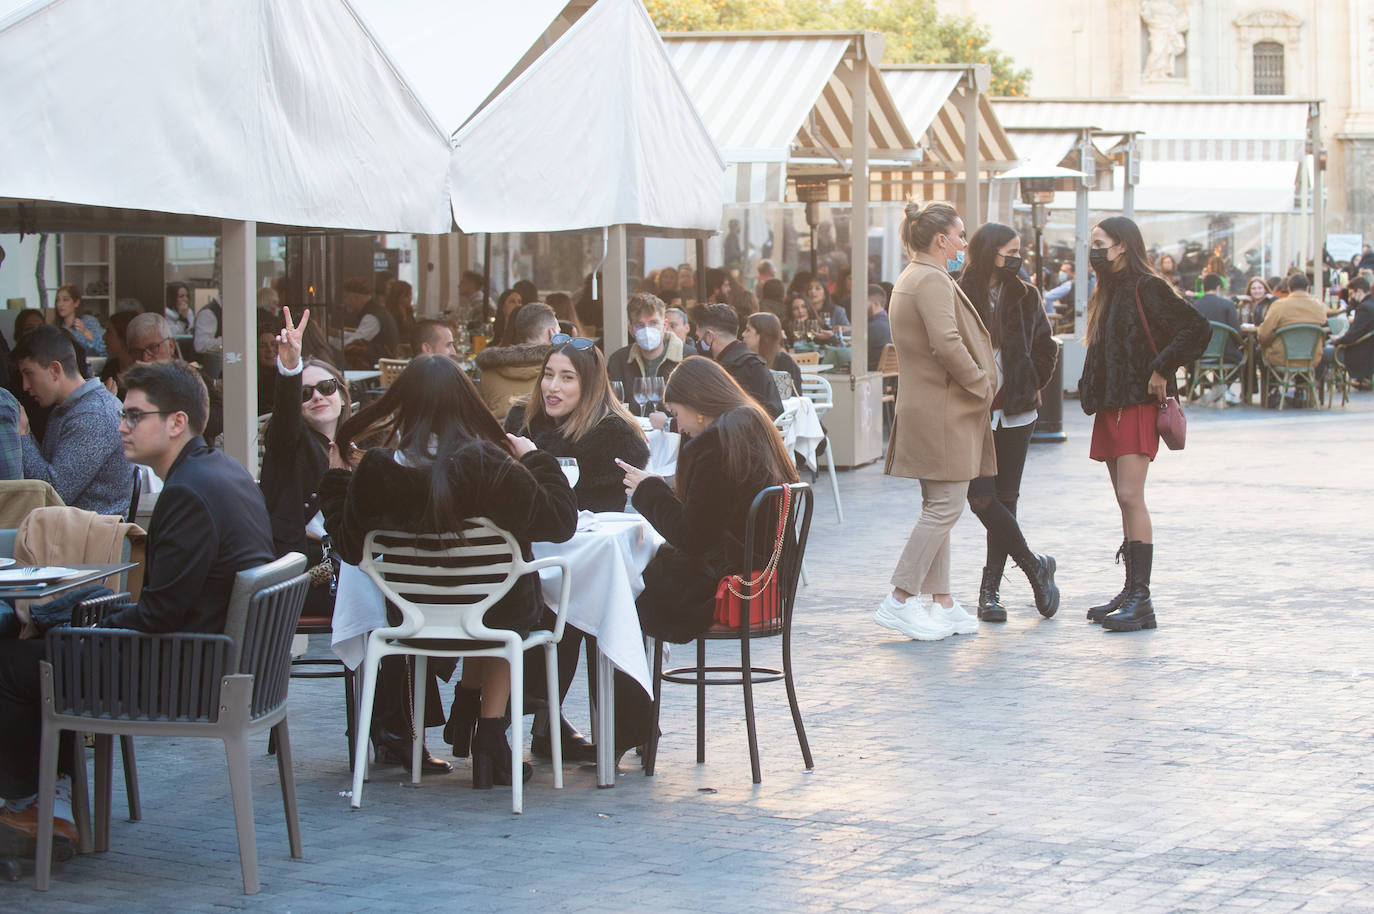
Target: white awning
(928, 97)
(770, 98)
(577, 141)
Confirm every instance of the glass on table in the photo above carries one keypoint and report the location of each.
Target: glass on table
(641, 392)
(618, 389)
(656, 388)
(570, 469)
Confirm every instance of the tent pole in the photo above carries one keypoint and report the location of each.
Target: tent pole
(858, 215)
(1314, 139)
(968, 102)
(615, 292)
(240, 377)
(701, 271)
(486, 276)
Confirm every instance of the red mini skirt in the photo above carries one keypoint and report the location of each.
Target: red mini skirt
(1129, 430)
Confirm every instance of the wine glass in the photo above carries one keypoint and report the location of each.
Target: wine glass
(570, 469)
(641, 392)
(618, 389)
(656, 388)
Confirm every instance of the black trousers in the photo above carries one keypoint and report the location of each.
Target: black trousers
(21, 719)
(993, 498)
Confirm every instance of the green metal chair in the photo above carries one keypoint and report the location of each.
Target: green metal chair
(1212, 366)
(1299, 365)
(1340, 375)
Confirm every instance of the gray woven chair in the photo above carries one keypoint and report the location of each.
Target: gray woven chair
(231, 686)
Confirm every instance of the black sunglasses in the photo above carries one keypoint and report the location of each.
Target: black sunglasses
(327, 387)
(576, 342)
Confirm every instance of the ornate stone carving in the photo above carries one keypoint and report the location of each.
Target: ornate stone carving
(1166, 23)
(1267, 25)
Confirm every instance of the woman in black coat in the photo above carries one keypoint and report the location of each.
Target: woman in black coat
(571, 412)
(1128, 371)
(451, 461)
(1025, 353)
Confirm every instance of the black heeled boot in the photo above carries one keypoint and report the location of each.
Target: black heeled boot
(1041, 577)
(462, 720)
(1098, 613)
(491, 755)
(990, 608)
(1137, 612)
(576, 747)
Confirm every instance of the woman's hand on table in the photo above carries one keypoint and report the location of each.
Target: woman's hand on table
(520, 446)
(634, 475)
(1158, 388)
(289, 340)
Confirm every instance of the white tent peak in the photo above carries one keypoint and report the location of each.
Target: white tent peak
(616, 172)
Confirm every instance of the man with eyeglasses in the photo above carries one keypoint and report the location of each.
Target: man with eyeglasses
(210, 523)
(81, 455)
(150, 340)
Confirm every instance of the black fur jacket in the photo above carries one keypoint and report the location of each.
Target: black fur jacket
(600, 483)
(1027, 348)
(1117, 367)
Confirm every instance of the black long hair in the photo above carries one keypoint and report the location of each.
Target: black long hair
(1124, 232)
(980, 270)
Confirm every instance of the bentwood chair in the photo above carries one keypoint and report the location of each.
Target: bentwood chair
(822, 396)
(887, 366)
(442, 585)
(1340, 375)
(1212, 366)
(229, 686)
(1299, 364)
(763, 513)
(806, 358)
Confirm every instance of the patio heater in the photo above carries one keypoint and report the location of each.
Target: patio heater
(813, 191)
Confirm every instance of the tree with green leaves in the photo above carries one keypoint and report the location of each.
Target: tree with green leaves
(915, 31)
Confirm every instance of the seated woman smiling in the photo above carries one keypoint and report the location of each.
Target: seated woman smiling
(572, 413)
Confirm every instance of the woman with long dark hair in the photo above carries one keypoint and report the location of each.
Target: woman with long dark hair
(1128, 371)
(441, 457)
(509, 302)
(763, 334)
(572, 412)
(84, 328)
(1025, 353)
(400, 304)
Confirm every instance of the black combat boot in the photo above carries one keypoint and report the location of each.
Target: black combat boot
(1137, 612)
(1096, 613)
(990, 608)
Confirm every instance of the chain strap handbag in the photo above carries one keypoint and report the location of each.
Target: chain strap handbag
(762, 586)
(1170, 421)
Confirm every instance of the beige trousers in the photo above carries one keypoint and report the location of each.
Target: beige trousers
(924, 563)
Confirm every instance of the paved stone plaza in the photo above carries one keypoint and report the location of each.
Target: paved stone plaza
(1220, 763)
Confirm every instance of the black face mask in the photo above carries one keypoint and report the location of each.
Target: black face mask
(1012, 264)
(1099, 259)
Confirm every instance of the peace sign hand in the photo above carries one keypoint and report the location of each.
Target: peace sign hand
(289, 340)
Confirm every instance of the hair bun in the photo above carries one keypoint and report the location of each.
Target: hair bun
(913, 209)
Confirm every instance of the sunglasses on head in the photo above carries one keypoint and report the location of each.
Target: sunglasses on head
(576, 342)
(327, 387)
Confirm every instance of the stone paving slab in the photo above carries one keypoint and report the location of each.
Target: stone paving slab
(1220, 763)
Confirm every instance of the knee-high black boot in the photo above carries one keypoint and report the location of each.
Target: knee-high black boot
(1137, 612)
(1097, 613)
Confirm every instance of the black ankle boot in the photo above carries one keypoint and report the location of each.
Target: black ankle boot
(462, 720)
(1137, 612)
(1097, 613)
(1041, 577)
(990, 608)
(576, 747)
(491, 755)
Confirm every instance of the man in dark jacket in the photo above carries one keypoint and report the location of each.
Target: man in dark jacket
(210, 523)
(375, 332)
(1214, 307)
(718, 334)
(1358, 359)
(879, 329)
(654, 353)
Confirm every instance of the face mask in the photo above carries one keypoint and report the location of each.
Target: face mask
(955, 264)
(1012, 264)
(649, 338)
(1099, 259)
(1063, 277)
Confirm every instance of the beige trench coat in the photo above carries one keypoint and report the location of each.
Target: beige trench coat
(946, 379)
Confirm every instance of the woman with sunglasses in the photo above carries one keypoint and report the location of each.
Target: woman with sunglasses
(442, 458)
(572, 413)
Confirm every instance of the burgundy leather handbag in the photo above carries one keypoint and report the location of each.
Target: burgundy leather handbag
(1170, 421)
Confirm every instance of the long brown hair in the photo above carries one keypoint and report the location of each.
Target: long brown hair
(750, 440)
(75, 295)
(1124, 232)
(769, 329)
(595, 403)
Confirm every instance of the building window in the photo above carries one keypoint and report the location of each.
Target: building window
(1269, 68)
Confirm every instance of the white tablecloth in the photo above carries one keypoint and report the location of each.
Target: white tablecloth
(608, 555)
(806, 432)
(663, 448)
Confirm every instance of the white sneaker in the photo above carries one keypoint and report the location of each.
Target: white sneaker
(911, 619)
(955, 618)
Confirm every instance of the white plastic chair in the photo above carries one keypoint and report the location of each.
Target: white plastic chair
(442, 586)
(817, 389)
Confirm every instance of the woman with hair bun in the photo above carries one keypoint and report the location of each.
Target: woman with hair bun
(940, 432)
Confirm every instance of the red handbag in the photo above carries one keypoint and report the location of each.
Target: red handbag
(1170, 421)
(765, 597)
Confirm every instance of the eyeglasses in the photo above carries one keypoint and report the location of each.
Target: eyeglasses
(151, 351)
(131, 417)
(327, 387)
(576, 342)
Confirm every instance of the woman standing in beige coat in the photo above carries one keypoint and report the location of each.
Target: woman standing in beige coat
(941, 434)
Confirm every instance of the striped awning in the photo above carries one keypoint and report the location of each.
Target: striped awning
(1056, 147)
(1174, 129)
(770, 99)
(928, 97)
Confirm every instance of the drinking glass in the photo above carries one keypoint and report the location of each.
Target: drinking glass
(569, 467)
(656, 388)
(641, 392)
(618, 389)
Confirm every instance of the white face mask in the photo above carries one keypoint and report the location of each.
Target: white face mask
(649, 338)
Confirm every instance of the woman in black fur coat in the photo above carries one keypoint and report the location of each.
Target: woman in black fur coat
(1128, 371)
(571, 412)
(1025, 353)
